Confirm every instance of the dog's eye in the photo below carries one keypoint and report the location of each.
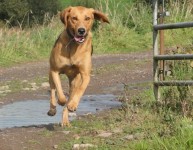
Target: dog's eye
(87, 18)
(74, 18)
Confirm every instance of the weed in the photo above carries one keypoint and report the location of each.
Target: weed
(179, 98)
(46, 133)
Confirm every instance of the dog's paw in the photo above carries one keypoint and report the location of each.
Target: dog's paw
(51, 112)
(62, 101)
(72, 106)
(66, 124)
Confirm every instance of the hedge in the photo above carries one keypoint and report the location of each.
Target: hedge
(27, 12)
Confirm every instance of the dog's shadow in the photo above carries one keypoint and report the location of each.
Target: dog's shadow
(49, 127)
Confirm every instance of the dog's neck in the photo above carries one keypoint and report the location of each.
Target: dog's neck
(69, 34)
(70, 40)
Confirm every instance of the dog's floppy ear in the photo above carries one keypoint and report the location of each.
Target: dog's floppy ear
(64, 15)
(100, 16)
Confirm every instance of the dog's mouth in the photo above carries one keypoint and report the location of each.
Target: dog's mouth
(79, 39)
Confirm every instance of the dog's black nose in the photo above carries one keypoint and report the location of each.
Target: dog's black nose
(81, 31)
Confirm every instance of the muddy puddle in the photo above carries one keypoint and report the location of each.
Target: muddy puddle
(34, 112)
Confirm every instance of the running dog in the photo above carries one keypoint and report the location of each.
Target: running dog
(71, 55)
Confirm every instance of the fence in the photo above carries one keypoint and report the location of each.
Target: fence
(158, 71)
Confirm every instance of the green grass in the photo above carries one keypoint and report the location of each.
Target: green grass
(149, 127)
(19, 45)
(179, 12)
(26, 45)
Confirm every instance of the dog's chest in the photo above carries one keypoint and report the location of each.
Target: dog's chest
(70, 66)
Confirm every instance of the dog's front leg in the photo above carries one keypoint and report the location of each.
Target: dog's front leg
(78, 87)
(52, 110)
(56, 79)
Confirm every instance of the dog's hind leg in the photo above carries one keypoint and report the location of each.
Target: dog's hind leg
(52, 110)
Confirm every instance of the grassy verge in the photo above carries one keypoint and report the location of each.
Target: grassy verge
(19, 45)
(129, 30)
(26, 45)
(138, 125)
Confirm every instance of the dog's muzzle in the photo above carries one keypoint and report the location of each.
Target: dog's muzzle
(79, 37)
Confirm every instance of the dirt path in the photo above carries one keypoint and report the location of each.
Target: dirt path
(110, 73)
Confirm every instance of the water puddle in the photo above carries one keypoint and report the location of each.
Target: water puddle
(34, 112)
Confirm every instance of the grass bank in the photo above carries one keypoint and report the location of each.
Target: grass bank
(138, 125)
(120, 36)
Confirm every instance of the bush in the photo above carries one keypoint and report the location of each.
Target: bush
(13, 12)
(27, 12)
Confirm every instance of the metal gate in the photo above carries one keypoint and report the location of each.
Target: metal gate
(158, 52)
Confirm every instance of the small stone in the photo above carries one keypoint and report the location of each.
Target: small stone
(1, 92)
(33, 84)
(105, 134)
(136, 136)
(117, 130)
(191, 64)
(26, 89)
(129, 137)
(55, 146)
(66, 132)
(82, 146)
(7, 91)
(87, 114)
(24, 81)
(76, 137)
(3, 88)
(34, 88)
(45, 85)
(72, 114)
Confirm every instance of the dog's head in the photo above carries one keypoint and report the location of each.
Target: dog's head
(79, 21)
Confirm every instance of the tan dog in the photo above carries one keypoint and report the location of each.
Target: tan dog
(71, 55)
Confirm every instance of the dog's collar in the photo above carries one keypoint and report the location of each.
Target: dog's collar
(69, 34)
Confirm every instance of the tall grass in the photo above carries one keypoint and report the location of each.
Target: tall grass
(179, 99)
(126, 25)
(19, 45)
(179, 12)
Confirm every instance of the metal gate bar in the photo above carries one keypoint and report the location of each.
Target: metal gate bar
(157, 57)
(173, 26)
(174, 57)
(174, 83)
(155, 50)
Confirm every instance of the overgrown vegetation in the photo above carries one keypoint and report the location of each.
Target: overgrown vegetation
(180, 11)
(178, 98)
(26, 13)
(137, 125)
